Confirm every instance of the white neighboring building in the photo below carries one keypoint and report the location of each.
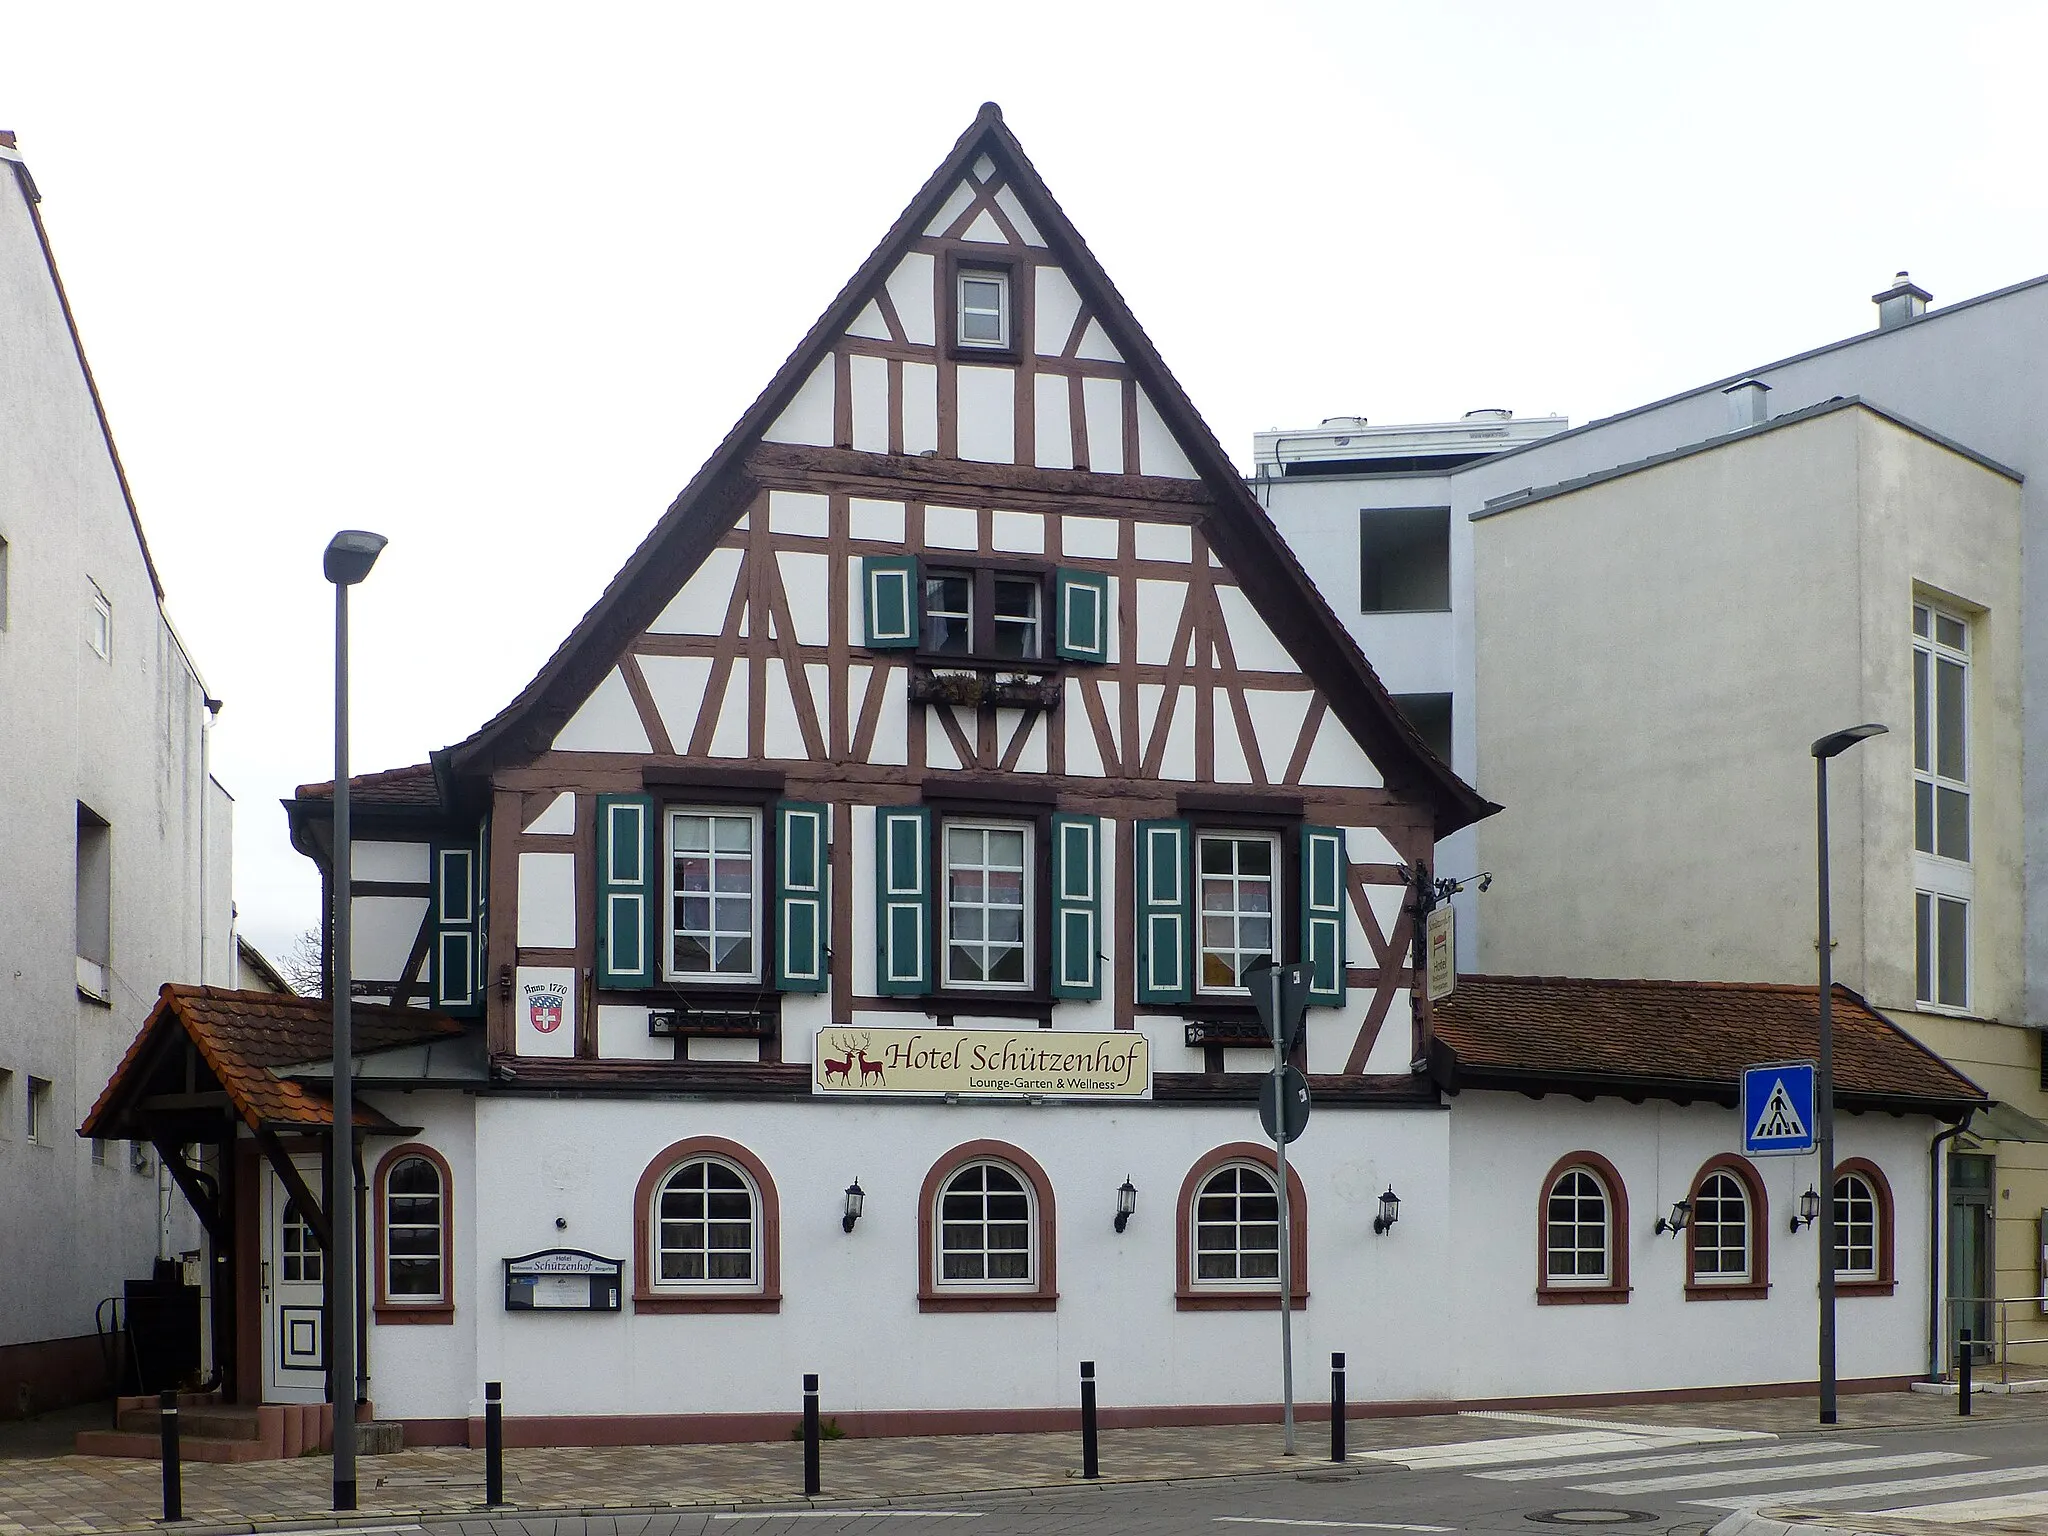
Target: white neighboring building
(115, 842)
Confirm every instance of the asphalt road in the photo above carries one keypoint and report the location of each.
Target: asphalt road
(1653, 1480)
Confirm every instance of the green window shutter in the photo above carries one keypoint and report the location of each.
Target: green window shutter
(1081, 603)
(1165, 912)
(889, 601)
(1076, 907)
(455, 914)
(802, 845)
(628, 900)
(903, 901)
(483, 912)
(1324, 875)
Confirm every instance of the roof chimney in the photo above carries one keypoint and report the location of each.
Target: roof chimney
(1747, 405)
(1903, 301)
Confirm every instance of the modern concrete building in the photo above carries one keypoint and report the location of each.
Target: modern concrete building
(114, 841)
(1650, 617)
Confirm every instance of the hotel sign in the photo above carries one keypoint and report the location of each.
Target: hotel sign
(1002, 1062)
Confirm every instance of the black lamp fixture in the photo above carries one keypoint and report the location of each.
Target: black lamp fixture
(1390, 1212)
(856, 1197)
(1126, 1203)
(1809, 1209)
(1681, 1211)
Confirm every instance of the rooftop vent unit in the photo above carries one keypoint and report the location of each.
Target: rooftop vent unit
(1904, 300)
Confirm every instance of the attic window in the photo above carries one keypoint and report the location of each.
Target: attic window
(982, 309)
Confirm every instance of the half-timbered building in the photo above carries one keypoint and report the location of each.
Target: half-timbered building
(835, 959)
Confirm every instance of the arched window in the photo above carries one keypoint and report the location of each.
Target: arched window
(1727, 1241)
(415, 1231)
(1863, 1229)
(986, 1232)
(1229, 1232)
(1582, 1233)
(707, 1231)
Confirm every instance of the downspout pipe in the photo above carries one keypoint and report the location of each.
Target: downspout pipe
(1934, 1203)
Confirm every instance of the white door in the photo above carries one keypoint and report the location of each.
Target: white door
(294, 1275)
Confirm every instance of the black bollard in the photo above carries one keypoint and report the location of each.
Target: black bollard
(174, 1481)
(1337, 1407)
(1963, 1380)
(494, 1442)
(812, 1482)
(1090, 1466)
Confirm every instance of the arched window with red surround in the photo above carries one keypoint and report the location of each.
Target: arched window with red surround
(415, 1236)
(1863, 1229)
(1728, 1238)
(987, 1237)
(1582, 1233)
(707, 1231)
(1228, 1232)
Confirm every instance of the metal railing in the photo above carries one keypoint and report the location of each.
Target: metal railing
(1991, 1321)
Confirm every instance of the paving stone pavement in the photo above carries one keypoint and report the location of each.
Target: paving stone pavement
(89, 1495)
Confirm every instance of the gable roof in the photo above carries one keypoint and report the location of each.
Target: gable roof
(1260, 558)
(245, 1038)
(1682, 1040)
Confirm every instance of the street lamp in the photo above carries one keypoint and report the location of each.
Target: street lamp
(350, 554)
(1824, 1089)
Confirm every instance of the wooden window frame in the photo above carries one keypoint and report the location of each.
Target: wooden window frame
(960, 263)
(1758, 1285)
(1043, 1294)
(762, 978)
(1614, 1290)
(390, 1309)
(1284, 874)
(1885, 1281)
(1034, 1000)
(981, 649)
(1036, 893)
(1192, 1295)
(767, 1295)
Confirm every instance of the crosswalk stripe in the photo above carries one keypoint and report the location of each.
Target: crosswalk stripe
(1514, 1448)
(1689, 1431)
(1711, 1457)
(2002, 1507)
(1776, 1474)
(1982, 1477)
(1332, 1525)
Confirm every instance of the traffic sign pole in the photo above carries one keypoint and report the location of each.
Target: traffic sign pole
(1280, 1033)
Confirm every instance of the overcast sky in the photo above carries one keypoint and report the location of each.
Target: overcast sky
(494, 279)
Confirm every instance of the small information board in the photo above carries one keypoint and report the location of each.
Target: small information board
(563, 1280)
(1778, 1115)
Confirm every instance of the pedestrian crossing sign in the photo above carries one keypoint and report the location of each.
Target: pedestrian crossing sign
(1778, 1117)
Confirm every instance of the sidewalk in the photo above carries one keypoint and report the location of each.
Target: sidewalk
(89, 1496)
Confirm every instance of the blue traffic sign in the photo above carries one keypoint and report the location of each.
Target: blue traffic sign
(1778, 1116)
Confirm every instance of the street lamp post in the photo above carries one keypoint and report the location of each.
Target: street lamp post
(1824, 1089)
(350, 554)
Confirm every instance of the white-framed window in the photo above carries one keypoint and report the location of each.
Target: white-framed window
(99, 1152)
(1236, 1230)
(35, 1125)
(707, 1228)
(414, 1209)
(1720, 1223)
(949, 612)
(988, 905)
(987, 614)
(1944, 880)
(986, 1229)
(299, 1255)
(99, 625)
(1239, 875)
(982, 308)
(1577, 1230)
(1016, 616)
(1856, 1231)
(714, 894)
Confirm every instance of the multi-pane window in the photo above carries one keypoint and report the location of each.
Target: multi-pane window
(986, 905)
(413, 1208)
(36, 1127)
(1575, 1230)
(1720, 1224)
(1856, 1220)
(298, 1250)
(983, 304)
(715, 895)
(1237, 1228)
(985, 1228)
(705, 1226)
(1239, 874)
(1941, 807)
(1942, 949)
(993, 615)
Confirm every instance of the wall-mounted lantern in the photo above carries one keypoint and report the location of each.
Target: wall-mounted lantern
(1126, 1203)
(856, 1198)
(1809, 1209)
(1675, 1222)
(1390, 1212)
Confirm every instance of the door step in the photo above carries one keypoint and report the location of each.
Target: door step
(210, 1430)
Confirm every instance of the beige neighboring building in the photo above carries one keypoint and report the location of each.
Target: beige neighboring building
(1657, 647)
